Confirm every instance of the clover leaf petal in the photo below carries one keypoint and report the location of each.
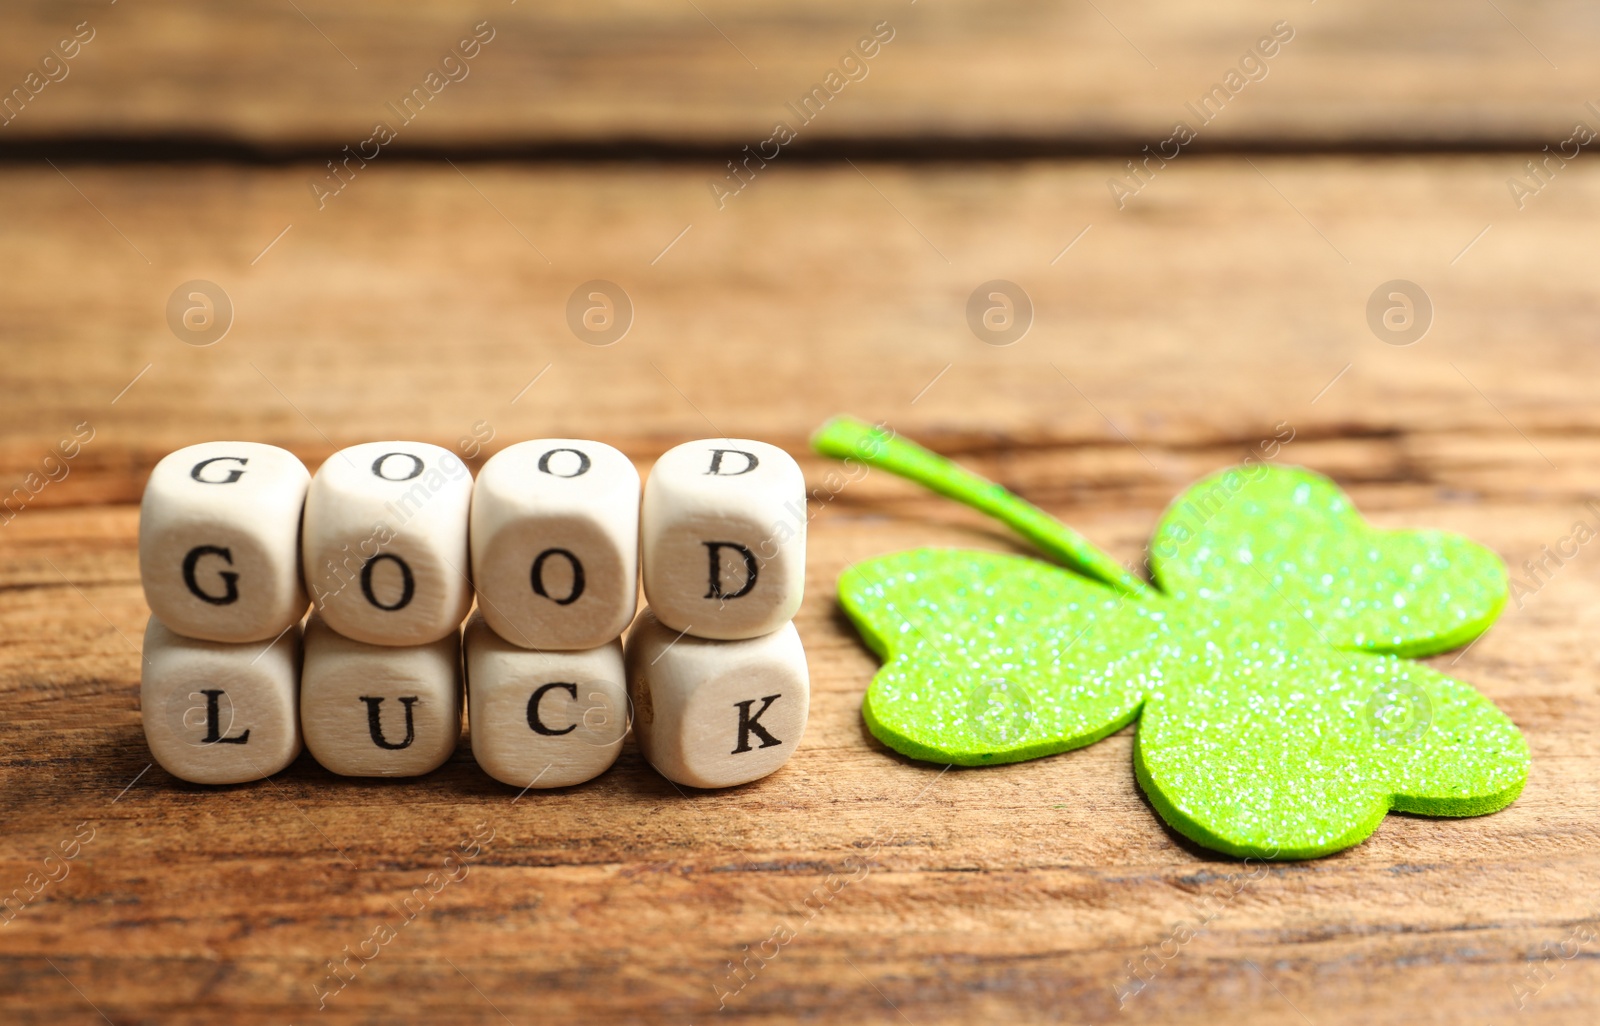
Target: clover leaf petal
(1290, 538)
(1291, 751)
(992, 658)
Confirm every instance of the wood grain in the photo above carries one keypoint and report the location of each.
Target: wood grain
(1170, 338)
(617, 73)
(1229, 296)
(1017, 892)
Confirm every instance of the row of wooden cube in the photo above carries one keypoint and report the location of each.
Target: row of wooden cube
(393, 539)
(705, 713)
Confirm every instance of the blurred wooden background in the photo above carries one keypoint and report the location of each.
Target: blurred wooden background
(427, 299)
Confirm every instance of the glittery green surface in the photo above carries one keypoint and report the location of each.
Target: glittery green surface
(1279, 715)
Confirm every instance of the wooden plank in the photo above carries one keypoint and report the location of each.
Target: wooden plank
(1228, 297)
(1196, 320)
(318, 75)
(239, 896)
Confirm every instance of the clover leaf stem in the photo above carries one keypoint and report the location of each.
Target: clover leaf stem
(846, 438)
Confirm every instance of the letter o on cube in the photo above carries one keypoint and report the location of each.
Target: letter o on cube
(716, 713)
(555, 543)
(385, 542)
(723, 538)
(219, 541)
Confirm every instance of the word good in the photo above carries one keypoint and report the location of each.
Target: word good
(1270, 665)
(391, 542)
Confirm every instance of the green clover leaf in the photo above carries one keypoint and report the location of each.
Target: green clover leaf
(1286, 537)
(1279, 713)
(991, 658)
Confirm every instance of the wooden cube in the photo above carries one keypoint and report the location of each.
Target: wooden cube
(716, 713)
(723, 538)
(385, 542)
(219, 541)
(216, 713)
(543, 718)
(379, 710)
(555, 543)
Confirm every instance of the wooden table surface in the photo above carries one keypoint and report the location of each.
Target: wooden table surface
(1223, 303)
